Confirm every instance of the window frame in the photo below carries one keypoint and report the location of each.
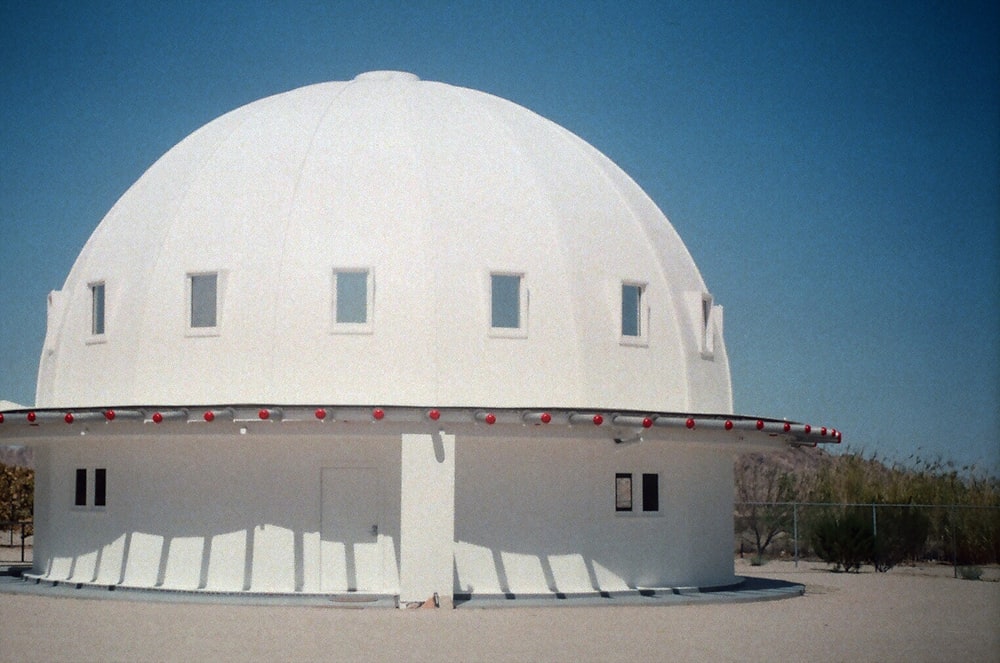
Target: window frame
(98, 304)
(90, 490)
(623, 504)
(366, 327)
(642, 314)
(215, 329)
(638, 503)
(523, 296)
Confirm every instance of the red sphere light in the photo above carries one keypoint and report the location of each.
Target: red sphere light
(434, 415)
(808, 429)
(320, 413)
(787, 427)
(68, 418)
(647, 422)
(264, 414)
(689, 423)
(32, 416)
(491, 418)
(209, 416)
(109, 415)
(546, 417)
(598, 420)
(378, 413)
(822, 431)
(1, 417)
(760, 425)
(157, 417)
(729, 425)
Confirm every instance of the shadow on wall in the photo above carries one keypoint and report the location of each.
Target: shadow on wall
(264, 558)
(225, 514)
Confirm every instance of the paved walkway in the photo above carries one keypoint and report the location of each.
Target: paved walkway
(908, 614)
(749, 589)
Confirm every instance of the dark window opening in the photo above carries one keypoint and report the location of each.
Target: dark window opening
(100, 486)
(650, 492)
(81, 488)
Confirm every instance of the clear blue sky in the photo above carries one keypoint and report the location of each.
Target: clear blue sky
(834, 167)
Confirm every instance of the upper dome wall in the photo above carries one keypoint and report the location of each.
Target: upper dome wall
(425, 190)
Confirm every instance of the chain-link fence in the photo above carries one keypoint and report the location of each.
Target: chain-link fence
(879, 534)
(16, 539)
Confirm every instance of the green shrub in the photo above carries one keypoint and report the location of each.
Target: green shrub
(844, 539)
(901, 535)
(970, 572)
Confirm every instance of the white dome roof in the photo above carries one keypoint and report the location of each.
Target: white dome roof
(428, 189)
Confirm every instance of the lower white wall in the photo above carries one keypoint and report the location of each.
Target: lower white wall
(222, 513)
(537, 516)
(482, 515)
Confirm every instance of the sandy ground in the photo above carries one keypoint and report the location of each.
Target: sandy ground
(908, 614)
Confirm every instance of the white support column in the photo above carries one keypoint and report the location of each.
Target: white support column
(427, 517)
(43, 506)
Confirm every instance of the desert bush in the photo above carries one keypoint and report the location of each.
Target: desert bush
(963, 529)
(843, 538)
(900, 535)
(970, 572)
(17, 486)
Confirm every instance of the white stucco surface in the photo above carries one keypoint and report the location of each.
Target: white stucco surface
(216, 512)
(429, 187)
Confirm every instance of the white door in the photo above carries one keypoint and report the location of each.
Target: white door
(351, 555)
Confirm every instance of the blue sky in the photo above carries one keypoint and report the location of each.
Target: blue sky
(834, 168)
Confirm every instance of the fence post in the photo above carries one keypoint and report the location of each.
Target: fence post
(795, 530)
(954, 541)
(875, 537)
(22, 541)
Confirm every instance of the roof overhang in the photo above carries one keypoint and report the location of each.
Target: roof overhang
(622, 427)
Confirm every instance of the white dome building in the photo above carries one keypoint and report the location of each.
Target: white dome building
(386, 336)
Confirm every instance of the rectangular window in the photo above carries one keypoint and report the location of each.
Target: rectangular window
(631, 310)
(351, 297)
(623, 492)
(97, 309)
(505, 301)
(204, 300)
(650, 492)
(81, 488)
(100, 486)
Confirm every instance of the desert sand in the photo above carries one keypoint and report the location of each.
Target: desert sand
(909, 614)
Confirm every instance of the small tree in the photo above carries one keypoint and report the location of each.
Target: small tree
(758, 480)
(17, 486)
